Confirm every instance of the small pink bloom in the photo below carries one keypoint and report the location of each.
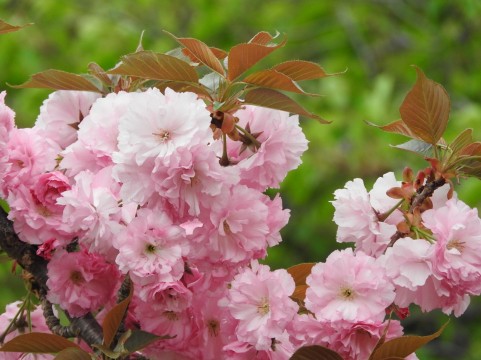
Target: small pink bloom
(29, 155)
(61, 113)
(151, 248)
(80, 281)
(37, 322)
(259, 299)
(349, 287)
(357, 216)
(238, 228)
(191, 176)
(282, 144)
(34, 221)
(97, 135)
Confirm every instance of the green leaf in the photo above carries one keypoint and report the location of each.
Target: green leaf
(315, 352)
(6, 28)
(274, 80)
(140, 339)
(38, 343)
(243, 56)
(114, 318)
(150, 65)
(299, 70)
(73, 354)
(58, 80)
(425, 109)
(275, 100)
(403, 346)
(396, 127)
(418, 147)
(201, 52)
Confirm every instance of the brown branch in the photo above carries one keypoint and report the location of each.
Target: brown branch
(26, 256)
(422, 194)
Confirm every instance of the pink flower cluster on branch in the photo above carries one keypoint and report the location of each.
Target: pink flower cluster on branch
(143, 188)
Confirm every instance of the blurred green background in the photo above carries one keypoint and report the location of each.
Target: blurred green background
(376, 41)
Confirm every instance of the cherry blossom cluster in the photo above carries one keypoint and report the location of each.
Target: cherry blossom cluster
(130, 184)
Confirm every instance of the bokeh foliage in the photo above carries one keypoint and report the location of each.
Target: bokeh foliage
(376, 41)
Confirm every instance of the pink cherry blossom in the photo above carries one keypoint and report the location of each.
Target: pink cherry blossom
(97, 135)
(238, 229)
(36, 222)
(456, 258)
(358, 221)
(350, 287)
(168, 122)
(61, 113)
(81, 281)
(353, 341)
(259, 299)
(282, 144)
(92, 209)
(191, 176)
(29, 155)
(151, 248)
(37, 323)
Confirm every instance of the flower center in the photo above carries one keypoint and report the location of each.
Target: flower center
(42, 210)
(227, 229)
(347, 293)
(150, 249)
(455, 244)
(76, 277)
(263, 307)
(170, 315)
(213, 327)
(163, 136)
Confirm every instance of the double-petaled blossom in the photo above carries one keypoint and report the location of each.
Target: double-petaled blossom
(81, 282)
(352, 287)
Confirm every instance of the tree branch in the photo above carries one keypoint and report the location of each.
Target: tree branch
(26, 256)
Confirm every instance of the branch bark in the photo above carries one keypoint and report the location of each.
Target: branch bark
(87, 328)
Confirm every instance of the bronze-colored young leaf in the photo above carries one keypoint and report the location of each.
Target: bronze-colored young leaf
(300, 272)
(275, 100)
(299, 70)
(425, 109)
(261, 38)
(219, 54)
(403, 346)
(97, 71)
(274, 80)
(73, 354)
(473, 149)
(315, 352)
(418, 147)
(179, 86)
(154, 66)
(114, 318)
(140, 339)
(201, 52)
(299, 292)
(396, 127)
(243, 56)
(462, 140)
(37, 343)
(6, 27)
(58, 80)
